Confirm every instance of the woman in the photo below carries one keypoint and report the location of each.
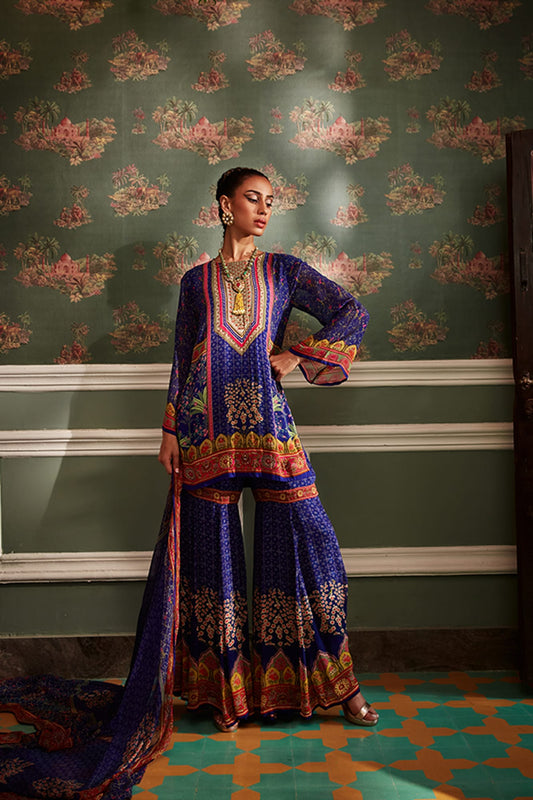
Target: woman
(228, 425)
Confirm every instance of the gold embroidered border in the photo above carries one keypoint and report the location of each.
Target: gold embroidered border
(285, 495)
(215, 495)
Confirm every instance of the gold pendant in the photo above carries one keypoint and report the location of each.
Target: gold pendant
(238, 305)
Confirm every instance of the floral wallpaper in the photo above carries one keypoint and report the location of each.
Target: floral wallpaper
(381, 125)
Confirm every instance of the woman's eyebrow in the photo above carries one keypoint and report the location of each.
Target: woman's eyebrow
(256, 191)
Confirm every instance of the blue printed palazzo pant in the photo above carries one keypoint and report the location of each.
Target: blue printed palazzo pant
(297, 656)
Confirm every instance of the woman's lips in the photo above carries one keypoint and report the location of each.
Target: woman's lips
(260, 222)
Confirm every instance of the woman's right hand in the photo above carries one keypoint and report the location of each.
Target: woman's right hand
(169, 453)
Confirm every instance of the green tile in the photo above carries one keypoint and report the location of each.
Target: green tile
(182, 787)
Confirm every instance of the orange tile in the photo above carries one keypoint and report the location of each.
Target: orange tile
(417, 732)
(347, 793)
(392, 682)
(246, 769)
(244, 794)
(487, 706)
(501, 730)
(332, 733)
(518, 758)
(250, 736)
(157, 771)
(340, 767)
(404, 706)
(434, 765)
(463, 681)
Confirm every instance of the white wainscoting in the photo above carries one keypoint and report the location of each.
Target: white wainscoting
(360, 562)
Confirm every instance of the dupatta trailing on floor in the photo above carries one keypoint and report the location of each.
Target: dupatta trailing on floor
(93, 740)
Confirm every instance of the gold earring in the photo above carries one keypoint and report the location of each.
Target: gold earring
(227, 218)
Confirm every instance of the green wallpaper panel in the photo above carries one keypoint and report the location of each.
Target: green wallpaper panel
(381, 124)
(418, 499)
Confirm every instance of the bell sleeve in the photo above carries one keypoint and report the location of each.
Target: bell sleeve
(327, 354)
(185, 337)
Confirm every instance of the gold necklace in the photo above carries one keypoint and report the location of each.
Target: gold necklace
(237, 284)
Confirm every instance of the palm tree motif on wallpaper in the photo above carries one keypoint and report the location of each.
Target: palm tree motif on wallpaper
(288, 195)
(216, 141)
(485, 139)
(176, 256)
(78, 278)
(361, 275)
(135, 195)
(14, 59)
(354, 141)
(77, 352)
(413, 330)
(134, 330)
(495, 346)
(351, 79)
(270, 60)
(490, 212)
(483, 273)
(349, 13)
(214, 80)
(353, 214)
(139, 117)
(214, 14)
(526, 62)
(14, 196)
(485, 12)
(406, 58)
(77, 141)
(77, 79)
(76, 215)
(277, 116)
(14, 334)
(409, 194)
(135, 59)
(487, 78)
(139, 262)
(413, 126)
(76, 13)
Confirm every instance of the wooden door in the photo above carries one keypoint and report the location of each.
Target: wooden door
(520, 211)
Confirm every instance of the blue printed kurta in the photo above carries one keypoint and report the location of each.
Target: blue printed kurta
(230, 416)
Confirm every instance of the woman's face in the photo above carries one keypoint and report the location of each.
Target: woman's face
(251, 206)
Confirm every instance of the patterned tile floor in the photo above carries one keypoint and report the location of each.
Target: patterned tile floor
(441, 736)
(466, 736)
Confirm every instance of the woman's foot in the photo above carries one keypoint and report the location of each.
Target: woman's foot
(224, 727)
(357, 711)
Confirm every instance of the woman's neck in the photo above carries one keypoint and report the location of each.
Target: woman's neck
(234, 249)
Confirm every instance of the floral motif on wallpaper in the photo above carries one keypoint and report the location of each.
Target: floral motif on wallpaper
(77, 141)
(77, 352)
(353, 141)
(135, 59)
(139, 116)
(270, 60)
(277, 116)
(487, 78)
(413, 330)
(361, 275)
(3, 117)
(175, 256)
(526, 62)
(76, 13)
(354, 213)
(214, 80)
(413, 126)
(490, 213)
(416, 261)
(14, 334)
(14, 196)
(134, 330)
(408, 59)
(349, 14)
(351, 79)
(287, 195)
(14, 59)
(485, 139)
(78, 278)
(139, 262)
(494, 346)
(77, 79)
(214, 14)
(135, 195)
(3, 254)
(76, 215)
(483, 273)
(485, 12)
(215, 141)
(409, 193)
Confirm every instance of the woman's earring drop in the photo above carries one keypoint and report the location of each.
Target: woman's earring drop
(227, 218)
